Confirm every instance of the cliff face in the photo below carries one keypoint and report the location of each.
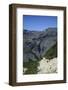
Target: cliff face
(37, 43)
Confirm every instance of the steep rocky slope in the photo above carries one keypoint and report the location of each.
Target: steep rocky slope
(37, 43)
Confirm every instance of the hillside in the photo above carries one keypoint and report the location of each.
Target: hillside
(52, 52)
(36, 45)
(34, 67)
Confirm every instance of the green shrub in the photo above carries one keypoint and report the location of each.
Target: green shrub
(31, 67)
(52, 52)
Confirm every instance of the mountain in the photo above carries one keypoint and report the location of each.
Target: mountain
(37, 43)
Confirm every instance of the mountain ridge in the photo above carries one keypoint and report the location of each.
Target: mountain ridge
(37, 43)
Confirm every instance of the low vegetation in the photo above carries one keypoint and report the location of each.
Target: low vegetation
(52, 52)
(31, 67)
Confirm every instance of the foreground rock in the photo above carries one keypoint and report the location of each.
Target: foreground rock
(47, 66)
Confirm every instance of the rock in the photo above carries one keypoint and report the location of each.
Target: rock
(37, 43)
(47, 66)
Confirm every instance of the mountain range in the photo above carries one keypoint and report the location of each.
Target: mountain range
(36, 44)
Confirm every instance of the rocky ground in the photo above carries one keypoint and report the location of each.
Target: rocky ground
(47, 66)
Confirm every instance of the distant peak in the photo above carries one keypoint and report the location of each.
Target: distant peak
(51, 28)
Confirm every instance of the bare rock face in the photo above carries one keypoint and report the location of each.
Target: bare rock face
(37, 43)
(47, 66)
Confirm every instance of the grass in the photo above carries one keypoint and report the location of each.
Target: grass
(31, 67)
(52, 52)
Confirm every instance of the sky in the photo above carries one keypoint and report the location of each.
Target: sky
(39, 23)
